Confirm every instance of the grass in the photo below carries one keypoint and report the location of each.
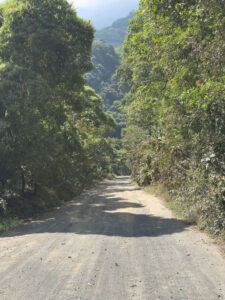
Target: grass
(8, 223)
(177, 210)
(161, 191)
(158, 190)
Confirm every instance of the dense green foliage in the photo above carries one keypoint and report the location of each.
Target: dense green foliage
(51, 125)
(105, 61)
(103, 80)
(116, 33)
(174, 62)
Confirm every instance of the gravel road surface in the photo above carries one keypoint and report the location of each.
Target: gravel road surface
(113, 242)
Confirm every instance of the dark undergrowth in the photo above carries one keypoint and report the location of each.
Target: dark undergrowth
(17, 210)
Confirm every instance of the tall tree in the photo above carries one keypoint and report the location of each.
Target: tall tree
(44, 53)
(174, 58)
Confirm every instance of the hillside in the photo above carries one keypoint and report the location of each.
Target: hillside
(116, 33)
(106, 60)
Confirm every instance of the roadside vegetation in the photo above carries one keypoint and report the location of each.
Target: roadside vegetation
(174, 64)
(52, 126)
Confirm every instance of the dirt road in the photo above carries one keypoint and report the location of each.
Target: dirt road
(113, 242)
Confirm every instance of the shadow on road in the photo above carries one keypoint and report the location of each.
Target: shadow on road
(100, 212)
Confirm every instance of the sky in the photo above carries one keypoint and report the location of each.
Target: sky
(103, 12)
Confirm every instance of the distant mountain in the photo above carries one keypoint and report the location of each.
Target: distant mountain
(116, 33)
(102, 13)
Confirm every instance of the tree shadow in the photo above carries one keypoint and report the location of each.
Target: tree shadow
(101, 212)
(117, 190)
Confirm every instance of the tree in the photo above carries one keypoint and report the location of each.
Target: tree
(104, 81)
(105, 61)
(174, 64)
(44, 53)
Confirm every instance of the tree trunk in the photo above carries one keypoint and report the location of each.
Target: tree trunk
(23, 183)
(35, 189)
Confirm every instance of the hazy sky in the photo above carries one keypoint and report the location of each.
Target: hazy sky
(103, 12)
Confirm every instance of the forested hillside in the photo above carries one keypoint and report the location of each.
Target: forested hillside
(174, 63)
(116, 33)
(51, 124)
(104, 81)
